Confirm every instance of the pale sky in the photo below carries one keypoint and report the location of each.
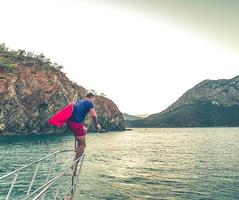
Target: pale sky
(141, 58)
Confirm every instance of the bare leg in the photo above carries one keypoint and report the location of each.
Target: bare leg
(79, 150)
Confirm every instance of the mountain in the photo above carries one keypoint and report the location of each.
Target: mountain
(210, 103)
(129, 118)
(32, 90)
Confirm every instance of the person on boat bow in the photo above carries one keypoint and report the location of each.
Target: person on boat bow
(76, 123)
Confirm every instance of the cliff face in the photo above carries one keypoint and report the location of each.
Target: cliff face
(210, 103)
(31, 92)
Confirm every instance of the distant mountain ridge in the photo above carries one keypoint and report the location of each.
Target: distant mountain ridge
(209, 103)
(130, 117)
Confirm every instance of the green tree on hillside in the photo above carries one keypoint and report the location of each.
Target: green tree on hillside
(12, 58)
(3, 47)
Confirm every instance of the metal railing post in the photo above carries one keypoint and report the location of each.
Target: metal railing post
(58, 188)
(49, 173)
(33, 178)
(12, 185)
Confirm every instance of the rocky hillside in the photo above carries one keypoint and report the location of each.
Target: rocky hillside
(210, 103)
(32, 89)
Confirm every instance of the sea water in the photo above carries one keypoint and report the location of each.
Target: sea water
(159, 163)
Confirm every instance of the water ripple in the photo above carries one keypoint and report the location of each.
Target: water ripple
(141, 164)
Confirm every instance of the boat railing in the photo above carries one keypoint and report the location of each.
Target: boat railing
(52, 187)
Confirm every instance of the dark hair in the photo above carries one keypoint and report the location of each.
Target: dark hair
(89, 95)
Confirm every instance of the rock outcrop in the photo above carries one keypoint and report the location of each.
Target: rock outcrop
(210, 103)
(32, 90)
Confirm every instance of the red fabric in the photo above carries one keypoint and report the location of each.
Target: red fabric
(77, 128)
(62, 116)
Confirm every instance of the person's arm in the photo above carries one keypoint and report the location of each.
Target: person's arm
(95, 119)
